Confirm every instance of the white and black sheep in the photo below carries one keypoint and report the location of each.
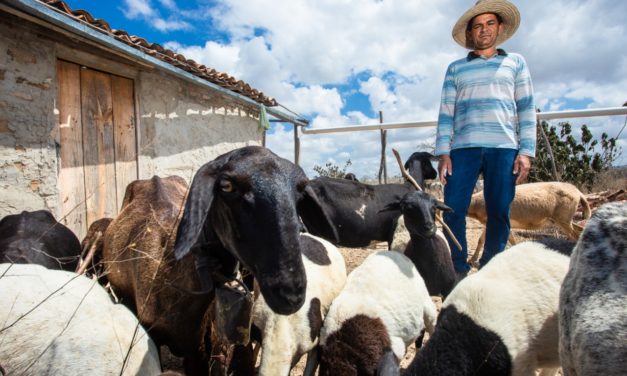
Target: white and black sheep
(56, 322)
(427, 247)
(382, 309)
(593, 298)
(501, 320)
(287, 337)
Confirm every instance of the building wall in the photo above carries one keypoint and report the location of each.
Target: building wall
(181, 126)
(28, 161)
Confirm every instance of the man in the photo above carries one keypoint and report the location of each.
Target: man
(486, 125)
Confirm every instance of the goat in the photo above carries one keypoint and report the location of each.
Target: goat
(56, 322)
(427, 246)
(355, 208)
(383, 308)
(533, 206)
(501, 320)
(593, 298)
(286, 338)
(36, 237)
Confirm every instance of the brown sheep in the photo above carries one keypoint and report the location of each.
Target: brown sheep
(534, 205)
(140, 265)
(92, 246)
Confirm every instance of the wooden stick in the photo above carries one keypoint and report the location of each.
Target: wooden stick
(82, 266)
(409, 178)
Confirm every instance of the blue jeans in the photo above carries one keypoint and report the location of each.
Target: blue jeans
(499, 187)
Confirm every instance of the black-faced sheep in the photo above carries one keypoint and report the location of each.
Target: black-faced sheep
(355, 208)
(534, 206)
(54, 322)
(382, 309)
(501, 320)
(287, 338)
(593, 298)
(427, 247)
(248, 203)
(36, 237)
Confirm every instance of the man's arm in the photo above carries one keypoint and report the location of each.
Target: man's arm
(445, 125)
(525, 108)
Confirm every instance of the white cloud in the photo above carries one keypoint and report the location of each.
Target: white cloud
(170, 25)
(138, 8)
(299, 52)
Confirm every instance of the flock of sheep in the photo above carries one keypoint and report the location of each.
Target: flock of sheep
(248, 255)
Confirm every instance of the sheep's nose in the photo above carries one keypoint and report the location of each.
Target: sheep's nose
(286, 297)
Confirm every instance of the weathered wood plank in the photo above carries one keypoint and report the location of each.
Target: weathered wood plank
(71, 182)
(124, 134)
(99, 157)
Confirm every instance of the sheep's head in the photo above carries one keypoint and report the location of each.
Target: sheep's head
(419, 167)
(418, 209)
(247, 200)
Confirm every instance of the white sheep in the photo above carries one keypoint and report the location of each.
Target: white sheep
(501, 320)
(593, 298)
(60, 323)
(535, 205)
(382, 309)
(287, 338)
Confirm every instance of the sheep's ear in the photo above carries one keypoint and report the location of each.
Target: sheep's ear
(197, 207)
(440, 205)
(391, 207)
(388, 364)
(313, 207)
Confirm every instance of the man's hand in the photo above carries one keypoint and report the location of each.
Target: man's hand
(445, 166)
(522, 164)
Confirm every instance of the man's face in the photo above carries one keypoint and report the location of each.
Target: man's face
(484, 30)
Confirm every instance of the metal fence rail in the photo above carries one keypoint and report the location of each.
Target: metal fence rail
(608, 111)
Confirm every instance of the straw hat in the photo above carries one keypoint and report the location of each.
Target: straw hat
(508, 12)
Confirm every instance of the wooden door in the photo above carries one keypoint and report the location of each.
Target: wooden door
(98, 156)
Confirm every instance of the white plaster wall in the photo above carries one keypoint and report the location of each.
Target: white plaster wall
(183, 127)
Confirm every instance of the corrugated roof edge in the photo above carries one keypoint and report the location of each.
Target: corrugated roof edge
(166, 55)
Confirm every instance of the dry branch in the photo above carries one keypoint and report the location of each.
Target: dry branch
(438, 216)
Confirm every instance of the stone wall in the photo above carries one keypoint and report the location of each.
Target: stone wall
(181, 125)
(28, 158)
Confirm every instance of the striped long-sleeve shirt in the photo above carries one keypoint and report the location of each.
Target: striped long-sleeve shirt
(487, 102)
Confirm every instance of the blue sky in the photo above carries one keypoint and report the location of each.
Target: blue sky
(339, 63)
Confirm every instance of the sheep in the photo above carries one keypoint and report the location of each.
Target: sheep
(286, 338)
(502, 320)
(593, 298)
(247, 203)
(382, 309)
(241, 208)
(533, 206)
(427, 247)
(55, 322)
(36, 237)
(92, 247)
(355, 207)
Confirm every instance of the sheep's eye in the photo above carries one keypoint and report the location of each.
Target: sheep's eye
(226, 186)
